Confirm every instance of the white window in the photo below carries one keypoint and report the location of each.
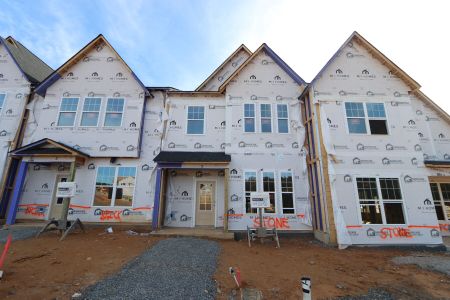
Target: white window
(377, 118)
(268, 180)
(2, 101)
(287, 192)
(196, 120)
(249, 117)
(91, 112)
(283, 118)
(114, 112)
(441, 197)
(249, 186)
(67, 112)
(114, 186)
(357, 121)
(387, 209)
(266, 117)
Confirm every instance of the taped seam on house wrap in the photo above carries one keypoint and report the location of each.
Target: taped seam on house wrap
(343, 237)
(169, 203)
(326, 131)
(4, 155)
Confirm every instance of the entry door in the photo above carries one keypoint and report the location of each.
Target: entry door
(57, 202)
(206, 194)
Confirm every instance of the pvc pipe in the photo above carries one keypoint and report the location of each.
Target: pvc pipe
(306, 288)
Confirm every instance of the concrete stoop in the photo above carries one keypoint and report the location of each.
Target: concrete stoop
(200, 232)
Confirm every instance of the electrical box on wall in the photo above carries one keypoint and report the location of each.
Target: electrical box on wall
(66, 189)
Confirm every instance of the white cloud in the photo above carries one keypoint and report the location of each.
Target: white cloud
(180, 42)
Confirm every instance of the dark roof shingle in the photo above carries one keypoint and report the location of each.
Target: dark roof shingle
(32, 66)
(186, 156)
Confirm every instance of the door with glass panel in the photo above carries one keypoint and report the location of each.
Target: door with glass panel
(441, 198)
(205, 207)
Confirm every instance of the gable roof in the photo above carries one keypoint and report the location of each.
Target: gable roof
(376, 53)
(272, 55)
(31, 66)
(219, 68)
(52, 78)
(40, 148)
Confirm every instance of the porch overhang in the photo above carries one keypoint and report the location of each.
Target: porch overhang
(192, 158)
(437, 163)
(48, 150)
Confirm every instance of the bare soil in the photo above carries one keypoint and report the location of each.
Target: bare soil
(45, 268)
(333, 272)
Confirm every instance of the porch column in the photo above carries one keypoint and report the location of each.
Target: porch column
(225, 200)
(8, 186)
(66, 201)
(156, 202)
(17, 192)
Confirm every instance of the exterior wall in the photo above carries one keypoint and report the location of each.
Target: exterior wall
(263, 81)
(433, 133)
(356, 76)
(40, 184)
(235, 62)
(177, 139)
(16, 88)
(99, 74)
(181, 197)
(432, 130)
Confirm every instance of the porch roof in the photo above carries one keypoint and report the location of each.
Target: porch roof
(192, 157)
(47, 147)
(437, 163)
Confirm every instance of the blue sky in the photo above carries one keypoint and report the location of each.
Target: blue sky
(179, 43)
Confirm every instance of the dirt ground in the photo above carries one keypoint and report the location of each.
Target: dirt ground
(45, 268)
(333, 272)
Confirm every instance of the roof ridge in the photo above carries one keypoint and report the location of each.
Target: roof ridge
(241, 47)
(56, 74)
(281, 63)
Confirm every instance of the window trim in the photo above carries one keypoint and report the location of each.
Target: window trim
(293, 192)
(287, 118)
(243, 187)
(76, 113)
(2, 108)
(99, 112)
(381, 201)
(106, 112)
(441, 200)
(254, 118)
(366, 118)
(261, 180)
(204, 120)
(114, 186)
(261, 118)
(377, 118)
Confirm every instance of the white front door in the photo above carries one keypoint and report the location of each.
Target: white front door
(55, 211)
(205, 207)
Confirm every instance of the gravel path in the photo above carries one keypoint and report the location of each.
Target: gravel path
(179, 268)
(429, 262)
(18, 232)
